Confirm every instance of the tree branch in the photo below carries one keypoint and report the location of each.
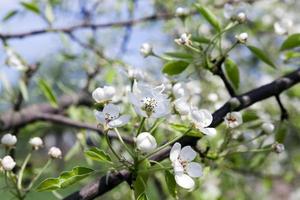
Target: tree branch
(160, 16)
(274, 88)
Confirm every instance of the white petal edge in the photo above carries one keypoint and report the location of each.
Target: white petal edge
(174, 153)
(121, 121)
(99, 116)
(184, 181)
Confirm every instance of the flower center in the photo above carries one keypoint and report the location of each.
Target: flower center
(108, 117)
(149, 105)
(231, 119)
(184, 164)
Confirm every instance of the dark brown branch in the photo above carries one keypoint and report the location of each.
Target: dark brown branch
(284, 113)
(160, 16)
(59, 119)
(274, 88)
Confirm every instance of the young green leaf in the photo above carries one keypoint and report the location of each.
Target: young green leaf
(179, 55)
(175, 67)
(98, 155)
(65, 179)
(140, 184)
(31, 6)
(48, 92)
(261, 55)
(143, 196)
(291, 42)
(9, 15)
(232, 72)
(171, 183)
(209, 16)
(200, 39)
(183, 129)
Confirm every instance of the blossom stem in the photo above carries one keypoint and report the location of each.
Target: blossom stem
(155, 125)
(249, 151)
(141, 126)
(165, 145)
(39, 174)
(19, 184)
(112, 149)
(122, 141)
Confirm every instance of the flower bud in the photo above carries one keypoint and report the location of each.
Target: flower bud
(268, 127)
(181, 12)
(241, 17)
(9, 140)
(8, 163)
(146, 49)
(242, 38)
(36, 143)
(55, 152)
(184, 39)
(145, 142)
(278, 147)
(103, 94)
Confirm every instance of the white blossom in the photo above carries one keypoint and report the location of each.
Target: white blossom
(36, 142)
(278, 147)
(9, 140)
(55, 152)
(241, 17)
(181, 12)
(233, 119)
(184, 39)
(202, 118)
(242, 37)
(146, 49)
(8, 163)
(145, 142)
(283, 27)
(184, 169)
(182, 106)
(148, 101)
(103, 94)
(110, 116)
(268, 127)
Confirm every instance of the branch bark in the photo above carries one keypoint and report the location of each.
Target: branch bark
(274, 88)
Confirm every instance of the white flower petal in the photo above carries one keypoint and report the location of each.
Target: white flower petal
(177, 166)
(112, 109)
(207, 131)
(187, 154)
(174, 153)
(124, 119)
(146, 142)
(100, 117)
(194, 169)
(184, 181)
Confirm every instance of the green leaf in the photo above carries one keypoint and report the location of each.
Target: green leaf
(48, 92)
(183, 129)
(291, 42)
(140, 184)
(200, 39)
(98, 155)
(65, 179)
(143, 196)
(9, 15)
(232, 72)
(175, 67)
(261, 55)
(209, 16)
(49, 13)
(31, 6)
(171, 183)
(179, 55)
(23, 90)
